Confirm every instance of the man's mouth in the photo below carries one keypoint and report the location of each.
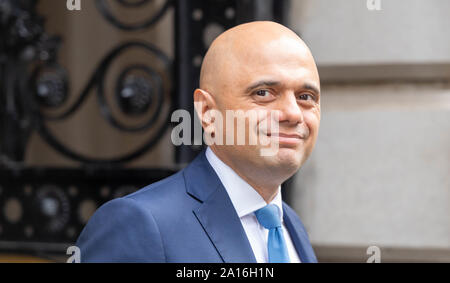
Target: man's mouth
(288, 139)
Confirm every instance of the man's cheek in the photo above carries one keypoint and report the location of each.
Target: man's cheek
(312, 121)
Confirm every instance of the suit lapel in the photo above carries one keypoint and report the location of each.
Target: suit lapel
(223, 226)
(216, 212)
(298, 236)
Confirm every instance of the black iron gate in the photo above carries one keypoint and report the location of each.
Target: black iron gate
(44, 209)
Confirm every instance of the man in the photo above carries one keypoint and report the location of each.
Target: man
(226, 205)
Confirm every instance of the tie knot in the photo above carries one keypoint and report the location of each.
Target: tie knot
(269, 216)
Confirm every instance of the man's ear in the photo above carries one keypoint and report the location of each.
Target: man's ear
(203, 102)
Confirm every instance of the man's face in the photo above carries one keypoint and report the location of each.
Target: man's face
(279, 77)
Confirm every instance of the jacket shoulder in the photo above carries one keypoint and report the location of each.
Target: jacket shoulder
(121, 231)
(157, 193)
(167, 199)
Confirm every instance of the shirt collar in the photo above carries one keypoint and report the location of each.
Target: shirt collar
(245, 199)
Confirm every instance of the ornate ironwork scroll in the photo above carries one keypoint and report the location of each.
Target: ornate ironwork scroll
(44, 209)
(134, 94)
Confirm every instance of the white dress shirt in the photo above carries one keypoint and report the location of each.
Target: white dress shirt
(246, 201)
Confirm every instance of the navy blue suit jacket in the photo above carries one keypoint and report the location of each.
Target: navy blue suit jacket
(187, 217)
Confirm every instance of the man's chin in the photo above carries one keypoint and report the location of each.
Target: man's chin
(287, 158)
(288, 153)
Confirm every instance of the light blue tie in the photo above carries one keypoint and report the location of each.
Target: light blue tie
(269, 218)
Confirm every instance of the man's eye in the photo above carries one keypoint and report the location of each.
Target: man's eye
(306, 96)
(263, 93)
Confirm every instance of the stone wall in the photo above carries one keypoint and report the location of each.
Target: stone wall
(380, 174)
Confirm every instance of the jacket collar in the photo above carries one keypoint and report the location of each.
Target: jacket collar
(200, 178)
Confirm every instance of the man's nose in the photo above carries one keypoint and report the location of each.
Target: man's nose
(290, 110)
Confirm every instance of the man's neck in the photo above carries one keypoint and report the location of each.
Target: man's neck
(265, 189)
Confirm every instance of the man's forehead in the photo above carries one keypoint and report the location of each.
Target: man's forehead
(283, 52)
(286, 72)
(269, 48)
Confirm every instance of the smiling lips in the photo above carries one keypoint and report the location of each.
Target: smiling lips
(289, 139)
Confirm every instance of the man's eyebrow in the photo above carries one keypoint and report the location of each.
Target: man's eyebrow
(262, 83)
(307, 86)
(312, 87)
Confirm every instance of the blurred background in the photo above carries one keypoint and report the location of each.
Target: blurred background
(86, 98)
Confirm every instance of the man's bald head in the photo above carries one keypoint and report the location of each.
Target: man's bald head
(261, 67)
(240, 44)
